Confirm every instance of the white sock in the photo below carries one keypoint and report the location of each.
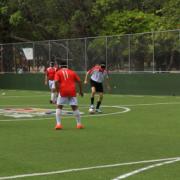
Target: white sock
(77, 116)
(53, 97)
(58, 115)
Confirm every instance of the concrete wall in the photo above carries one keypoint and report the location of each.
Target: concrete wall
(145, 84)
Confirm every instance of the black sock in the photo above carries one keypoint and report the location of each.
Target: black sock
(92, 100)
(98, 104)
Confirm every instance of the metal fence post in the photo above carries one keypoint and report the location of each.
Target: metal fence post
(67, 53)
(106, 53)
(129, 52)
(33, 45)
(153, 52)
(85, 53)
(49, 51)
(14, 58)
(1, 58)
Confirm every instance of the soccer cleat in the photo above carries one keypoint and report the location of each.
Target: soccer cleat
(80, 126)
(51, 102)
(98, 111)
(58, 127)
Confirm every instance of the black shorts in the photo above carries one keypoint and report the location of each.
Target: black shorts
(98, 86)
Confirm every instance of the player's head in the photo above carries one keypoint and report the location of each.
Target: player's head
(51, 64)
(63, 64)
(103, 65)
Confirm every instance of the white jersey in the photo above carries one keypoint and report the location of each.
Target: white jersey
(98, 74)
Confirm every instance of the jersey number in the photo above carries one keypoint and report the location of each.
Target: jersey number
(65, 74)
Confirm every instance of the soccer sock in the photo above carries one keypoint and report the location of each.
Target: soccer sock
(53, 97)
(58, 116)
(98, 104)
(92, 100)
(77, 116)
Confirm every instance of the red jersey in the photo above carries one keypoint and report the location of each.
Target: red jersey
(67, 82)
(50, 72)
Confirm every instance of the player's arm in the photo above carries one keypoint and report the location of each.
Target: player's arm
(56, 82)
(78, 81)
(86, 77)
(107, 83)
(56, 86)
(80, 87)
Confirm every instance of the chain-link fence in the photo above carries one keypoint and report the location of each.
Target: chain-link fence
(143, 52)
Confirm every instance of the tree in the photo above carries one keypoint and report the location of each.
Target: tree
(23, 20)
(128, 22)
(171, 14)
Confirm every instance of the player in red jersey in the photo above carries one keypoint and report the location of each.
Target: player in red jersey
(49, 79)
(65, 83)
(98, 74)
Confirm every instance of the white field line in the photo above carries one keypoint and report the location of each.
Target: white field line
(47, 94)
(20, 90)
(88, 168)
(152, 104)
(158, 97)
(120, 105)
(94, 115)
(145, 169)
(9, 96)
(125, 109)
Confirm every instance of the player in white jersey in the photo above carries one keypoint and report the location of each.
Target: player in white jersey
(98, 75)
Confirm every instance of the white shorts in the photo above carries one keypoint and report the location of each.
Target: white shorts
(51, 84)
(67, 100)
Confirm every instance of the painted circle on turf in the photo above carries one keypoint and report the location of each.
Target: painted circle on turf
(124, 110)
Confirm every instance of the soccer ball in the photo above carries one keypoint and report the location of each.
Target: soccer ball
(91, 111)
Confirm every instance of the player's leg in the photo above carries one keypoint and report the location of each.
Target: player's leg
(100, 91)
(50, 86)
(60, 102)
(93, 92)
(53, 93)
(74, 106)
(100, 98)
(58, 117)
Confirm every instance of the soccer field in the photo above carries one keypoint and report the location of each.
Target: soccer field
(135, 138)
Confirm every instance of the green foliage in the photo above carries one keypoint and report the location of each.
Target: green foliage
(103, 7)
(16, 18)
(3, 10)
(171, 12)
(55, 19)
(129, 22)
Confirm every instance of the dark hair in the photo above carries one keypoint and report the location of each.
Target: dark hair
(103, 64)
(63, 64)
(51, 64)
